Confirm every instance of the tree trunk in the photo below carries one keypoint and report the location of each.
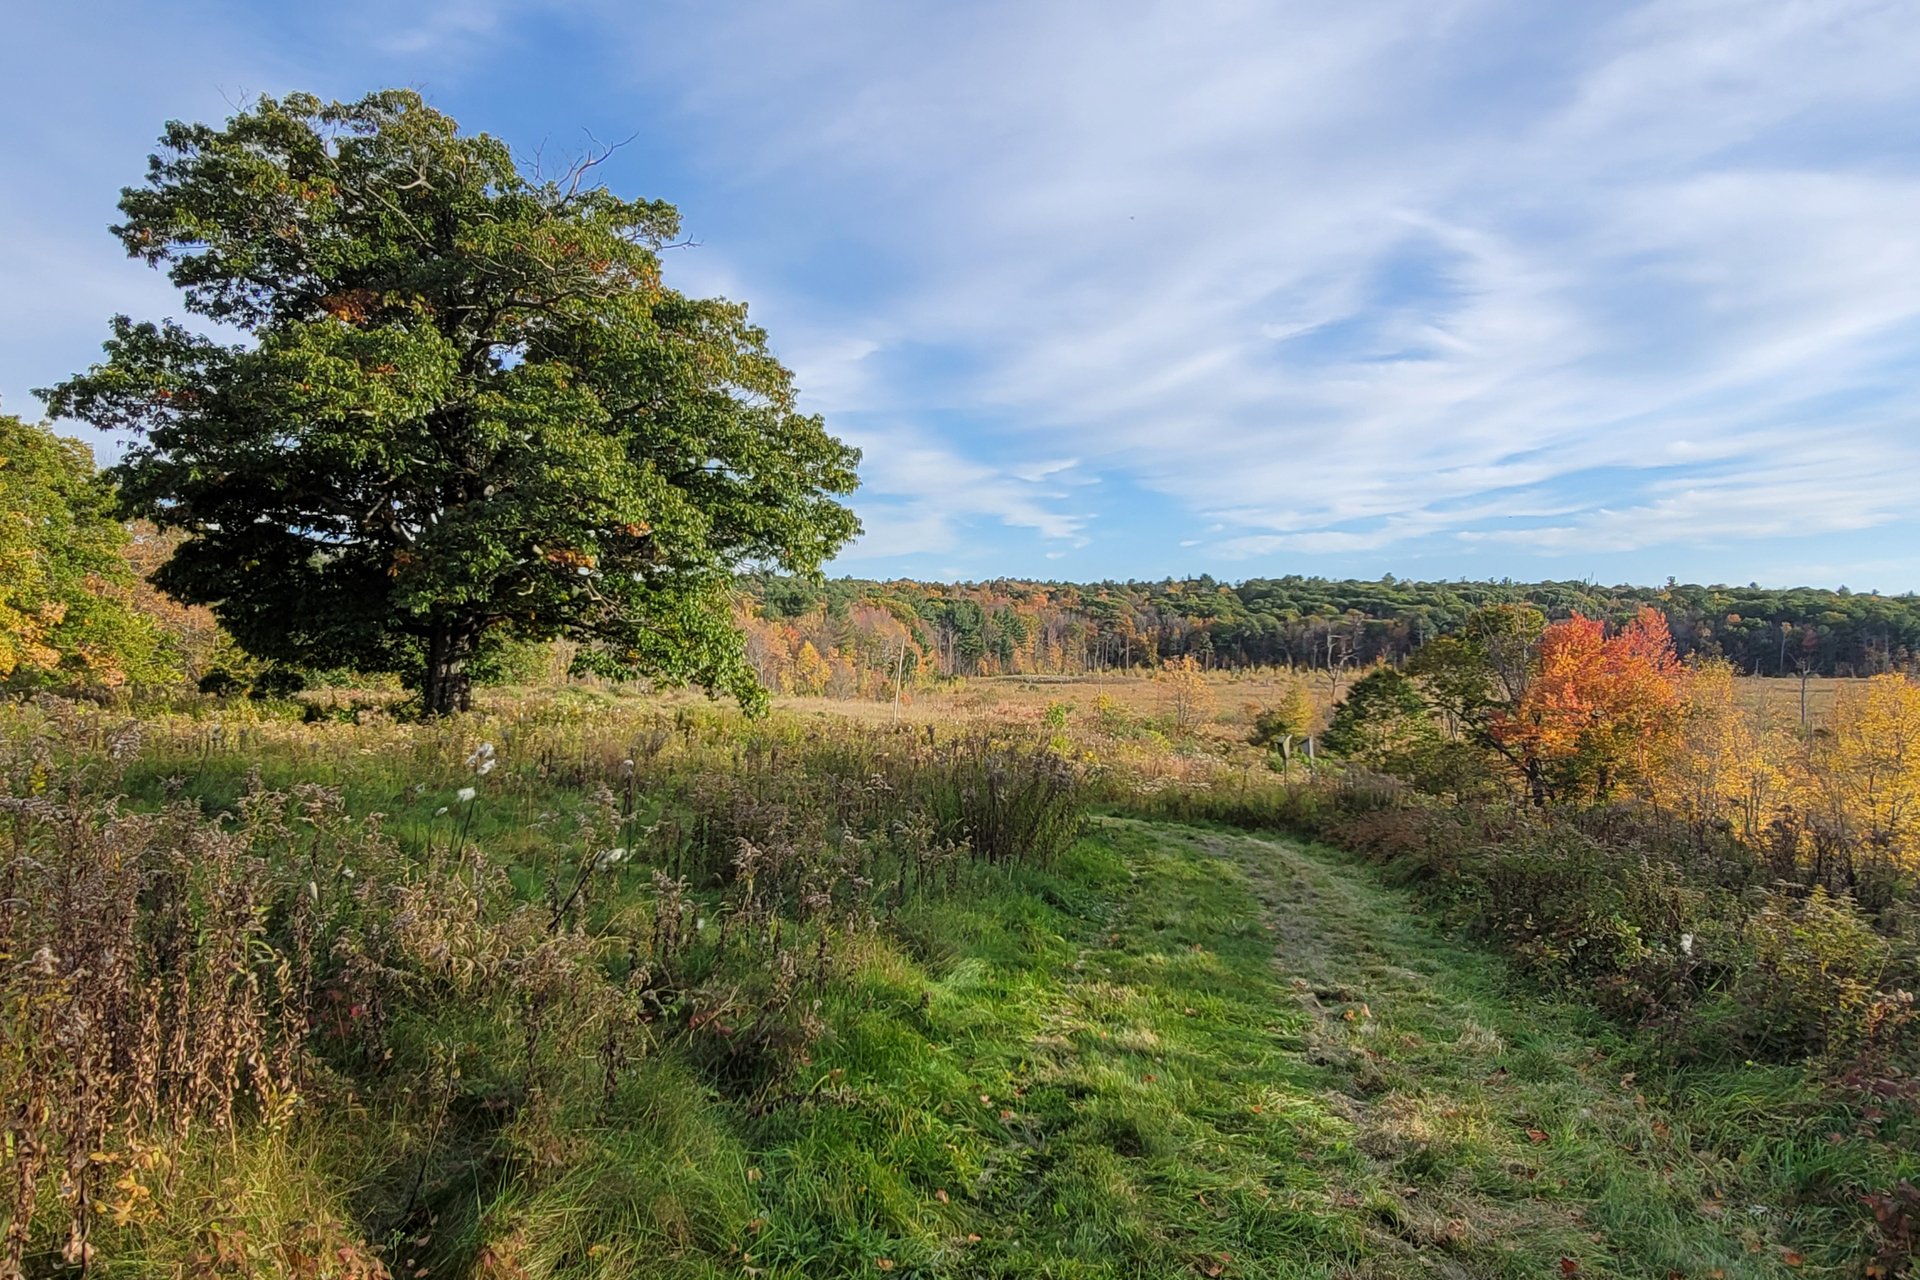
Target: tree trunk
(1536, 784)
(449, 683)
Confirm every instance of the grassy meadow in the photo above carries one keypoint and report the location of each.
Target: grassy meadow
(1235, 698)
(588, 984)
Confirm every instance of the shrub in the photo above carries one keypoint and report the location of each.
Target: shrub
(1812, 980)
(1652, 920)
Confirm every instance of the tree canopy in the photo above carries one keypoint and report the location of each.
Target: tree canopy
(64, 587)
(1597, 709)
(465, 407)
(1383, 722)
(1010, 626)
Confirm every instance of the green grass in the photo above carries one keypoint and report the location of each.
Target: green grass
(1180, 1053)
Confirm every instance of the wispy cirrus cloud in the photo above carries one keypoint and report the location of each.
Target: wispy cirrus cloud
(921, 495)
(1479, 285)
(1296, 267)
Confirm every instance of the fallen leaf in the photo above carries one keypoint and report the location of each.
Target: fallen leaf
(1536, 1135)
(1568, 1267)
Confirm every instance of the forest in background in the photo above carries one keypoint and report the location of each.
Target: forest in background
(851, 637)
(77, 609)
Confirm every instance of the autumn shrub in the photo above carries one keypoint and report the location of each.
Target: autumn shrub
(1411, 843)
(1655, 921)
(159, 976)
(1661, 934)
(1896, 1244)
(1815, 979)
(1573, 911)
(1250, 798)
(1009, 802)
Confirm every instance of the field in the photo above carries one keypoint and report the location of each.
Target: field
(1779, 699)
(794, 1029)
(1236, 698)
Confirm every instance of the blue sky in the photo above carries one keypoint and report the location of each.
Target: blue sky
(1432, 287)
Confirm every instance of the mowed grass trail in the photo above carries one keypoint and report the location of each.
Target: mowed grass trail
(1190, 1052)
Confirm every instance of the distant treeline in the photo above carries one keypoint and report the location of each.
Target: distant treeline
(1017, 627)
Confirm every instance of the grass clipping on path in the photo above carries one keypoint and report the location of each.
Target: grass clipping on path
(1196, 1054)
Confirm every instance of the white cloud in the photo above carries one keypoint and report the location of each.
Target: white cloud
(1302, 266)
(919, 497)
(436, 30)
(1332, 279)
(1801, 490)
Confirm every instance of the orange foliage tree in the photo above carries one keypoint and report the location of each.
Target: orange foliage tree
(192, 642)
(1599, 711)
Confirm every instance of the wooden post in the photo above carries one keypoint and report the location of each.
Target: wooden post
(1805, 731)
(899, 671)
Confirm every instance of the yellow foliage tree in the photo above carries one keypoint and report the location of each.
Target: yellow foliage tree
(1722, 762)
(811, 672)
(64, 608)
(1190, 698)
(1865, 781)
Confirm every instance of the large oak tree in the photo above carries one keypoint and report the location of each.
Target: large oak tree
(465, 406)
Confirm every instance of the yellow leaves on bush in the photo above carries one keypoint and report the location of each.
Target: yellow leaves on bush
(1854, 784)
(1190, 700)
(1865, 778)
(1722, 761)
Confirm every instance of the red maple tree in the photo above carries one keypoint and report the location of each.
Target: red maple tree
(1598, 709)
